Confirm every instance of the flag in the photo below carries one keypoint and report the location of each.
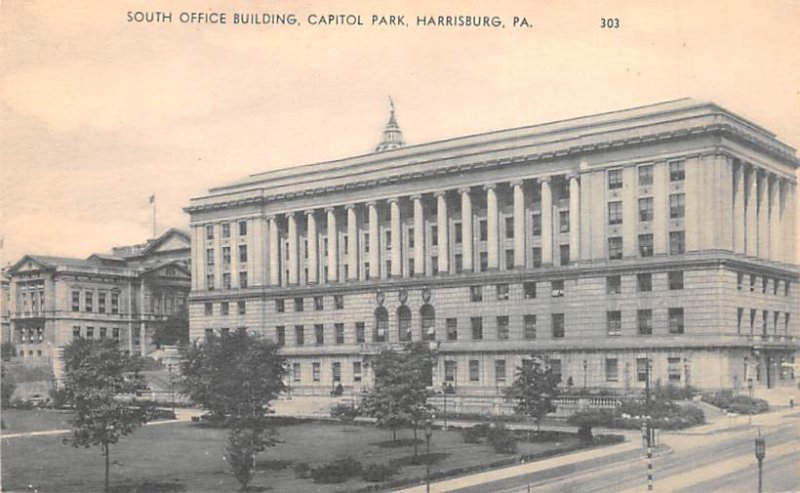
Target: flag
(153, 199)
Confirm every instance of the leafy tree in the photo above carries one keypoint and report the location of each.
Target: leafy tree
(399, 396)
(236, 376)
(345, 413)
(8, 351)
(174, 330)
(96, 373)
(533, 389)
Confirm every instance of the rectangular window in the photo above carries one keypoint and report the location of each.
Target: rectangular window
(224, 308)
(458, 233)
(434, 235)
(319, 334)
(318, 303)
(76, 333)
(101, 302)
(674, 369)
(210, 257)
(677, 170)
(298, 304)
(88, 301)
(459, 261)
(644, 283)
(537, 224)
(509, 259)
(646, 245)
(115, 333)
(614, 322)
(557, 288)
(537, 256)
(296, 375)
(299, 335)
(612, 370)
(502, 327)
(615, 213)
(208, 334)
(280, 306)
(434, 265)
(614, 179)
(677, 205)
(644, 321)
(226, 280)
(615, 248)
(242, 228)
(356, 371)
(241, 307)
(477, 328)
(764, 284)
(243, 279)
(452, 329)
(510, 227)
(474, 370)
(563, 221)
(739, 280)
(475, 293)
(411, 270)
(500, 371)
(676, 321)
(338, 301)
(76, 301)
(339, 328)
(529, 327)
(613, 284)
(530, 290)
(90, 332)
(210, 282)
(675, 280)
(243, 253)
(563, 252)
(450, 371)
(558, 325)
(645, 176)
(484, 261)
(115, 303)
(388, 240)
(103, 334)
(642, 369)
(226, 230)
(226, 255)
(646, 209)
(360, 333)
(210, 232)
(555, 368)
(280, 335)
(739, 318)
(502, 292)
(483, 227)
(315, 372)
(410, 237)
(346, 242)
(366, 270)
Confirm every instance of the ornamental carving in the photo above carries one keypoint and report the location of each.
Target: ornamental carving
(426, 295)
(403, 296)
(380, 297)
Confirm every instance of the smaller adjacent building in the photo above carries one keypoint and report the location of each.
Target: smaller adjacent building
(121, 295)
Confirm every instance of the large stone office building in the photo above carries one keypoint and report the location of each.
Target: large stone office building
(661, 234)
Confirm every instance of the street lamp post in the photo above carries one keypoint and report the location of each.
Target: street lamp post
(761, 452)
(171, 388)
(444, 398)
(428, 435)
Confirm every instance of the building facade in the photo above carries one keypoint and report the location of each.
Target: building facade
(657, 241)
(122, 296)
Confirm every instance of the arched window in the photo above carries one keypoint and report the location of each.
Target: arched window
(428, 321)
(381, 325)
(403, 324)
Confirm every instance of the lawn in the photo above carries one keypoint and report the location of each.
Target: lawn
(189, 457)
(22, 421)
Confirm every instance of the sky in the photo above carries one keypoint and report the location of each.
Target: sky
(97, 114)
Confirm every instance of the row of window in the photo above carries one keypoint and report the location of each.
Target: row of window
(226, 230)
(336, 372)
(226, 255)
(37, 299)
(677, 172)
(89, 299)
(225, 308)
(677, 209)
(30, 335)
(102, 333)
(764, 322)
(765, 284)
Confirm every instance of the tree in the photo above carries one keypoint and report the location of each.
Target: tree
(235, 377)
(533, 389)
(8, 350)
(96, 374)
(399, 396)
(174, 330)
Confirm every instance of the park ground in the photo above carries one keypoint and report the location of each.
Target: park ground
(186, 456)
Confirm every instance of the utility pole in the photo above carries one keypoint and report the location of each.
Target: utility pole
(761, 452)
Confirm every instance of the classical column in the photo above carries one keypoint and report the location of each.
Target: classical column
(789, 222)
(763, 215)
(333, 246)
(774, 218)
(492, 232)
(313, 242)
(442, 228)
(519, 224)
(396, 243)
(374, 242)
(292, 255)
(274, 246)
(779, 219)
(738, 208)
(750, 213)
(547, 222)
(419, 236)
(574, 217)
(466, 228)
(352, 241)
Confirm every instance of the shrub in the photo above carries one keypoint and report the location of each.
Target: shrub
(502, 439)
(474, 434)
(302, 470)
(7, 390)
(663, 414)
(735, 403)
(345, 413)
(675, 393)
(375, 473)
(337, 471)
